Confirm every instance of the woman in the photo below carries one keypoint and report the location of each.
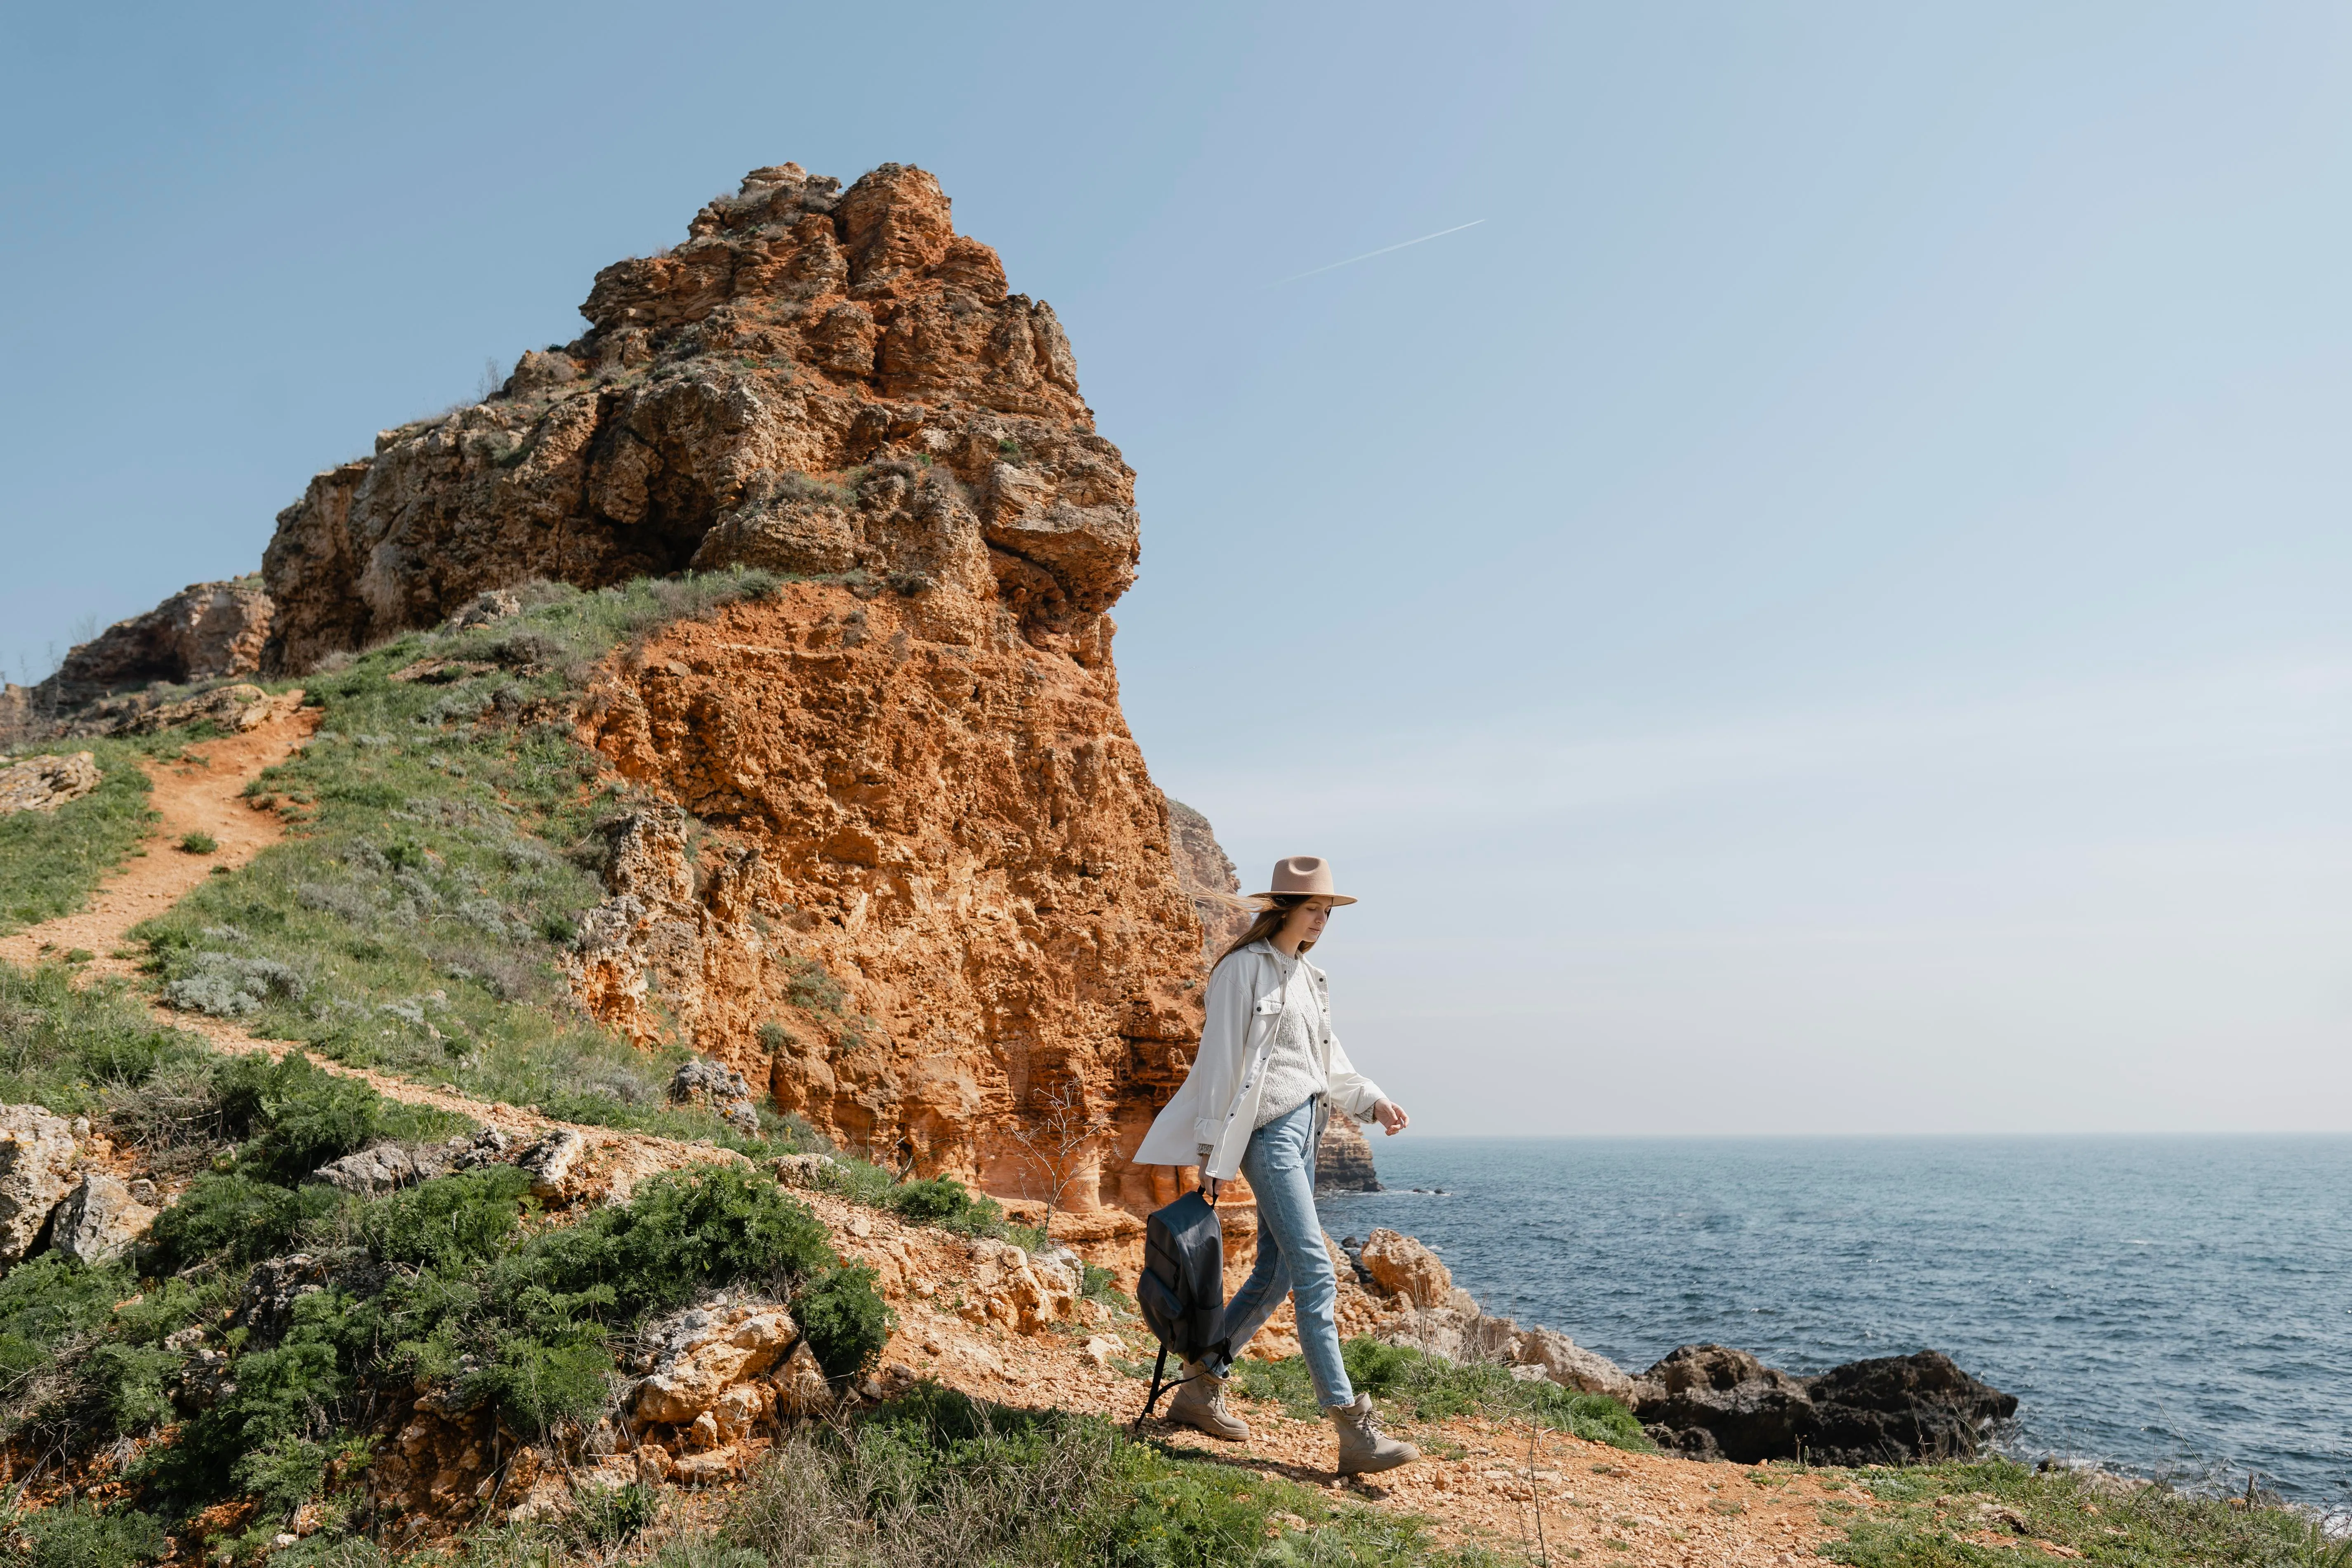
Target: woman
(1254, 1104)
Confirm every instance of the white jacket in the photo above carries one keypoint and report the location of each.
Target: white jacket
(1219, 1102)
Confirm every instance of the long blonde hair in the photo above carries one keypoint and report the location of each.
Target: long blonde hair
(1270, 916)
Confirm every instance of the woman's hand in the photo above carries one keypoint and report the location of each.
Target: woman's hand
(1209, 1185)
(1392, 1117)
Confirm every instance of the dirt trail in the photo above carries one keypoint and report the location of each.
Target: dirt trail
(201, 789)
(1476, 1485)
(200, 792)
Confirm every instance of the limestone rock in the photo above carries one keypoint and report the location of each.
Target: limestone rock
(275, 1285)
(98, 1220)
(45, 784)
(1571, 1365)
(1343, 1159)
(799, 332)
(384, 1168)
(239, 707)
(206, 631)
(801, 1388)
(705, 1361)
(1007, 1288)
(803, 1169)
(1402, 1266)
(38, 1166)
(552, 1164)
(1207, 875)
(719, 1089)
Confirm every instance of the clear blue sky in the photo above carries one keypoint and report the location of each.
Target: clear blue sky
(1825, 610)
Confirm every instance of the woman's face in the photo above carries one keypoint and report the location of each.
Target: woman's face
(1306, 922)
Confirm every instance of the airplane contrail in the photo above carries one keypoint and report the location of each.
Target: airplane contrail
(1383, 250)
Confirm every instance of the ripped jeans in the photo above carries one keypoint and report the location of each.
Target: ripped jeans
(1279, 1165)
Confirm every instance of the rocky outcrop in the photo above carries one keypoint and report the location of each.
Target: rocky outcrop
(98, 1220)
(1343, 1159)
(39, 1164)
(1403, 1294)
(1715, 1402)
(915, 884)
(908, 875)
(45, 784)
(1207, 873)
(721, 1090)
(816, 381)
(206, 631)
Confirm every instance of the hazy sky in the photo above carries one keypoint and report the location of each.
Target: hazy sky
(1827, 609)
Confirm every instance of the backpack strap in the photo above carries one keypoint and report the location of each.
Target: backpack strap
(1160, 1383)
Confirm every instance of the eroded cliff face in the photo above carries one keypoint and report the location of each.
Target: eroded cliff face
(935, 870)
(816, 381)
(908, 870)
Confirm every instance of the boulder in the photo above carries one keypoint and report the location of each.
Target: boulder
(38, 1166)
(1714, 1402)
(1008, 1288)
(551, 1163)
(274, 1286)
(1400, 1266)
(386, 1167)
(45, 784)
(1892, 1408)
(708, 1361)
(721, 1090)
(1571, 1365)
(98, 1220)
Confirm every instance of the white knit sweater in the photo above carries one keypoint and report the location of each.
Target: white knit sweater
(1294, 1069)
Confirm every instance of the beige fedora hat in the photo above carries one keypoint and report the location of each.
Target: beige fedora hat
(1308, 875)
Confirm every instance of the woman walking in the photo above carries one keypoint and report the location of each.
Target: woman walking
(1268, 1073)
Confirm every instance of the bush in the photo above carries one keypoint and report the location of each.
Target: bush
(607, 1516)
(844, 1318)
(682, 1234)
(232, 1218)
(303, 1116)
(198, 842)
(75, 1535)
(448, 1222)
(934, 1201)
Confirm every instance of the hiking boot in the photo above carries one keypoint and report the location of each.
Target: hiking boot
(1199, 1402)
(1364, 1447)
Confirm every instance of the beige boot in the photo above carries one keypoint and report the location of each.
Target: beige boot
(1364, 1447)
(1199, 1402)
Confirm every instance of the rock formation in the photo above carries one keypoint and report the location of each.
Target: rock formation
(816, 381)
(911, 876)
(206, 631)
(40, 1163)
(1714, 1403)
(45, 784)
(1343, 1159)
(1207, 873)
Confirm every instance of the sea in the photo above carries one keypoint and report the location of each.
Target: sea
(2178, 1308)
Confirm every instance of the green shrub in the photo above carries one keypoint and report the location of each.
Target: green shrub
(933, 1200)
(198, 842)
(607, 1516)
(844, 1318)
(539, 1386)
(75, 1535)
(50, 861)
(682, 1234)
(301, 1116)
(448, 1222)
(232, 1218)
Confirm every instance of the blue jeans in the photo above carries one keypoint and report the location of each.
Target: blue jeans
(1279, 1165)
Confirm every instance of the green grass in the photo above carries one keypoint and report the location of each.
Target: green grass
(1930, 1508)
(442, 853)
(198, 842)
(1430, 1388)
(50, 861)
(75, 1050)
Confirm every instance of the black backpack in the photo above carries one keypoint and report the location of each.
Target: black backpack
(1181, 1291)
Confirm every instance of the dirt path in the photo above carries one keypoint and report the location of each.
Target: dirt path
(200, 792)
(1478, 1483)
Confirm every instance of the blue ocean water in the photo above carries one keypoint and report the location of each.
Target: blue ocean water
(2176, 1306)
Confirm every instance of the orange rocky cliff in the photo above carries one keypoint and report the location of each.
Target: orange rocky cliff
(911, 873)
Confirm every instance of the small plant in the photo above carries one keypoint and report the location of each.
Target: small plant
(1057, 1139)
(78, 955)
(198, 842)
